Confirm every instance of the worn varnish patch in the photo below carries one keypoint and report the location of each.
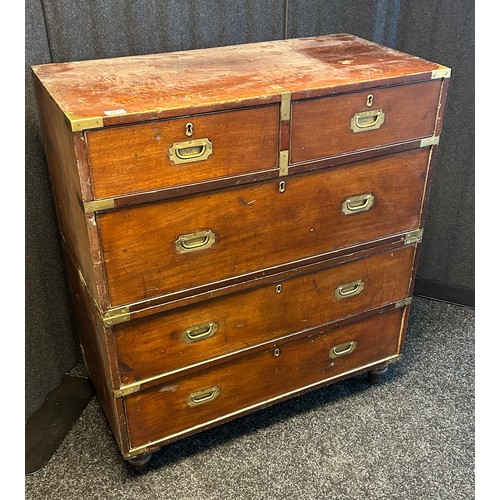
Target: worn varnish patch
(147, 87)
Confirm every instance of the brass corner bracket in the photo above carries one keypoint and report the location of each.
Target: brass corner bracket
(79, 123)
(117, 315)
(286, 102)
(414, 236)
(442, 72)
(90, 207)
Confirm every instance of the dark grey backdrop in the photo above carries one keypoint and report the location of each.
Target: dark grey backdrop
(64, 30)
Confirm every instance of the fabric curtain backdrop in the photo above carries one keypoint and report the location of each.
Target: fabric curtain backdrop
(63, 30)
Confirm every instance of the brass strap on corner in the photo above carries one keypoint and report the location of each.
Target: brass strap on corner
(90, 207)
(442, 72)
(286, 104)
(115, 316)
(403, 303)
(283, 164)
(414, 236)
(429, 141)
(78, 123)
(125, 390)
(285, 112)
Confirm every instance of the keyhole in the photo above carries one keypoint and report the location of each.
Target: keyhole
(189, 129)
(369, 100)
(282, 186)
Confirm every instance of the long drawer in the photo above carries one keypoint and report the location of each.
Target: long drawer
(155, 249)
(186, 337)
(149, 156)
(334, 125)
(186, 403)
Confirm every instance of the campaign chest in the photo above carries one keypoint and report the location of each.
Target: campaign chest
(240, 224)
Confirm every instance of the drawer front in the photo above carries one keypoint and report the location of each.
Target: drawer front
(191, 401)
(159, 248)
(331, 126)
(161, 154)
(167, 342)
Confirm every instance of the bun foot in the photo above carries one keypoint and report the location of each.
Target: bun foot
(374, 376)
(139, 464)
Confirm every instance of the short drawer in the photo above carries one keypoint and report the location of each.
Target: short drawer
(165, 343)
(336, 125)
(191, 402)
(155, 155)
(159, 248)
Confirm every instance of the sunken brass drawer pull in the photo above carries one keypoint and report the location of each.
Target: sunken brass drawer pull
(201, 397)
(367, 120)
(342, 349)
(195, 241)
(349, 289)
(188, 151)
(357, 204)
(200, 332)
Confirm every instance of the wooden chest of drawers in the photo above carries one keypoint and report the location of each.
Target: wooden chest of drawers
(240, 224)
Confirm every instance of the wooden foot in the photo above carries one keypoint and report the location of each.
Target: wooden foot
(139, 464)
(375, 375)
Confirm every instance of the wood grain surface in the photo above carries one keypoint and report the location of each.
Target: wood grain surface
(162, 411)
(132, 159)
(256, 226)
(322, 127)
(131, 89)
(70, 185)
(155, 345)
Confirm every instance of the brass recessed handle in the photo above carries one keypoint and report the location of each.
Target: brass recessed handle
(200, 332)
(342, 349)
(357, 204)
(189, 151)
(349, 289)
(195, 241)
(367, 120)
(204, 396)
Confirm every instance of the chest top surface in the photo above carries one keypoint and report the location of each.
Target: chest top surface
(136, 88)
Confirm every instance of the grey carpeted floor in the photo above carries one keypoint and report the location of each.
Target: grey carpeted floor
(409, 437)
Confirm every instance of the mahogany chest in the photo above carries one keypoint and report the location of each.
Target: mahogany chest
(240, 224)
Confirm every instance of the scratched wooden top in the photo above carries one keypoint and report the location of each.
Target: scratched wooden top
(129, 89)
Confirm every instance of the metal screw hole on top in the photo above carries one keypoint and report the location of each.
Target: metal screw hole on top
(276, 352)
(282, 186)
(279, 288)
(369, 100)
(189, 129)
